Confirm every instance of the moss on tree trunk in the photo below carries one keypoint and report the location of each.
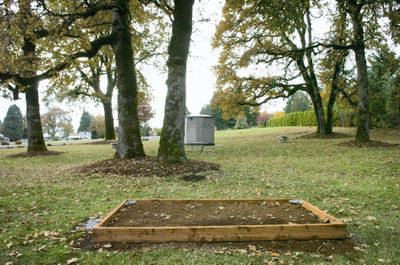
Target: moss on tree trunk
(362, 134)
(172, 135)
(354, 8)
(34, 128)
(129, 141)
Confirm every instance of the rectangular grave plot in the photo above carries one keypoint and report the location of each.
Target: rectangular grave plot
(152, 221)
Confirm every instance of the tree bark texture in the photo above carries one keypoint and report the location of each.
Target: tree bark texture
(329, 111)
(107, 102)
(338, 69)
(314, 93)
(172, 146)
(33, 122)
(129, 141)
(36, 141)
(108, 120)
(319, 108)
(362, 134)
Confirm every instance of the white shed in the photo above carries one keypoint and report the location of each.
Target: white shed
(199, 130)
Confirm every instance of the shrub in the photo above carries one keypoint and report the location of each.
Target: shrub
(307, 118)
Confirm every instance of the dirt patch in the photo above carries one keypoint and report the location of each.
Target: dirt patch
(145, 167)
(375, 144)
(33, 154)
(195, 213)
(330, 136)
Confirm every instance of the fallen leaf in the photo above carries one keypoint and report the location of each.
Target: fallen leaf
(372, 219)
(107, 245)
(274, 254)
(42, 248)
(242, 251)
(72, 261)
(15, 253)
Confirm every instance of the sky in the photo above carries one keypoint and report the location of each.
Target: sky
(200, 79)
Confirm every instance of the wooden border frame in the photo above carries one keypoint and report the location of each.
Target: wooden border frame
(332, 229)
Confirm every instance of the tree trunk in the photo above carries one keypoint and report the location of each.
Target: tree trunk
(362, 134)
(329, 114)
(313, 92)
(338, 69)
(319, 109)
(108, 119)
(129, 141)
(34, 125)
(319, 114)
(172, 147)
(312, 79)
(34, 128)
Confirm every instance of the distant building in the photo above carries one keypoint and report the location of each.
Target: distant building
(80, 136)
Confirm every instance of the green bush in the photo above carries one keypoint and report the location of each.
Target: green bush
(307, 118)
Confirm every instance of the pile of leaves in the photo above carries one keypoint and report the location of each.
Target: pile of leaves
(145, 167)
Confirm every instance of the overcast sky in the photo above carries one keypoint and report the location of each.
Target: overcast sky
(200, 77)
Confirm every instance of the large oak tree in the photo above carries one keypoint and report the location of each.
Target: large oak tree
(269, 51)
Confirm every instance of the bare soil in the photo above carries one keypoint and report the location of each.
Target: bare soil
(195, 213)
(145, 167)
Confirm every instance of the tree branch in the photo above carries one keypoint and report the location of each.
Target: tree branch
(162, 5)
(90, 53)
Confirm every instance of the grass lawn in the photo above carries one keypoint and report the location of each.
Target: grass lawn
(41, 201)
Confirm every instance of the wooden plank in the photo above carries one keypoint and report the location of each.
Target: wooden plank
(321, 214)
(219, 233)
(205, 201)
(111, 215)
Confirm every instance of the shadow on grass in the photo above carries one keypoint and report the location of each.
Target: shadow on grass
(34, 154)
(375, 144)
(324, 247)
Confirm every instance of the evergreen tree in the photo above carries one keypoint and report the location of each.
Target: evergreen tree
(298, 102)
(86, 121)
(13, 125)
(384, 90)
(219, 121)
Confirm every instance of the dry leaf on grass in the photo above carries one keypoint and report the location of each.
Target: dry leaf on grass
(72, 261)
